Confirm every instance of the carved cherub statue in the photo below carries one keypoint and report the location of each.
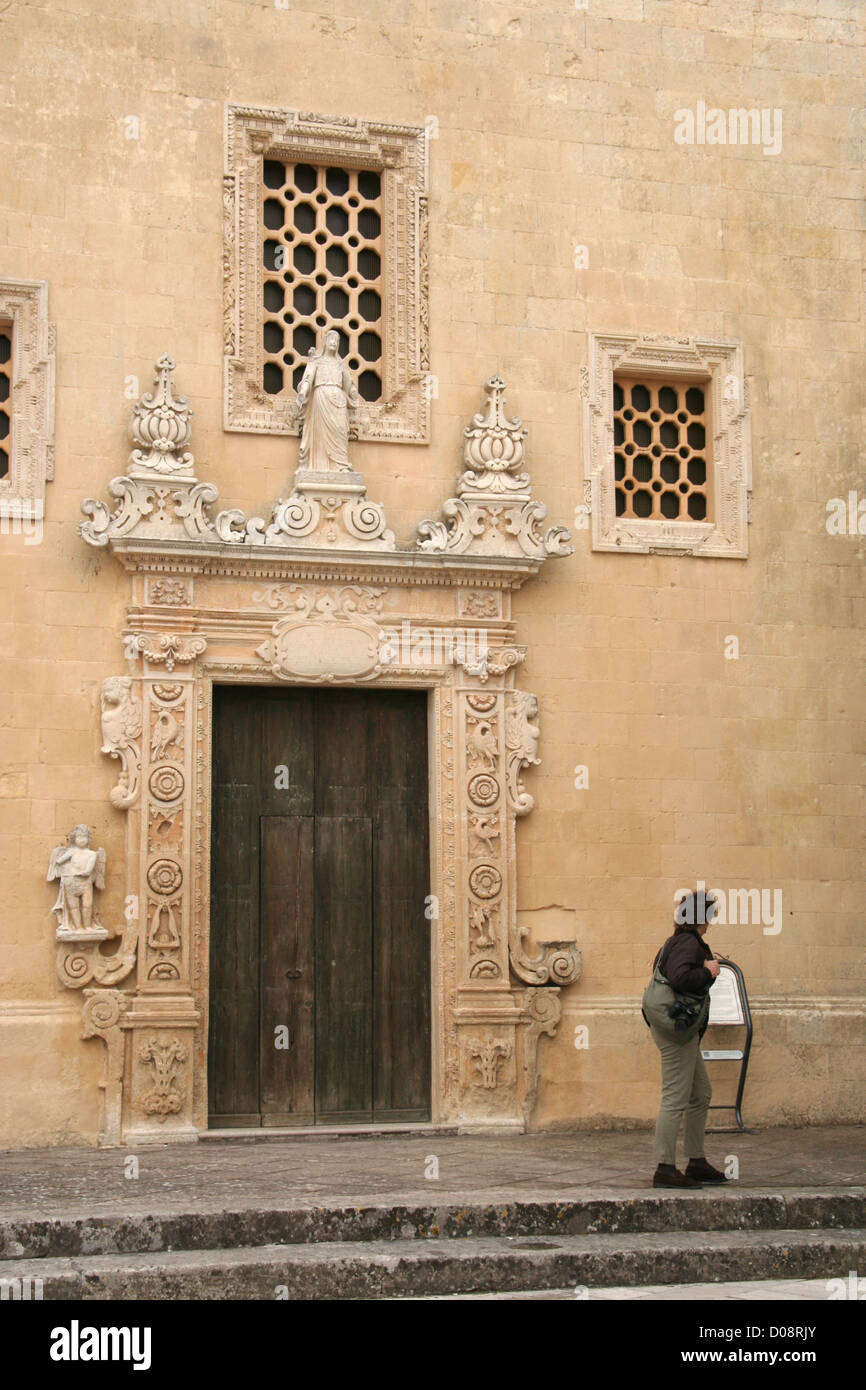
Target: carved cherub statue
(80, 870)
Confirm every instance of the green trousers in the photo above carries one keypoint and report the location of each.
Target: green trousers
(686, 1090)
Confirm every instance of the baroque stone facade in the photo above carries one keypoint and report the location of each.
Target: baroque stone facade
(699, 716)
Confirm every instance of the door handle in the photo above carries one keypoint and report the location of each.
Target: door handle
(294, 974)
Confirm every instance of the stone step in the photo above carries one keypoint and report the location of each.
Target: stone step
(642, 1211)
(387, 1269)
(738, 1291)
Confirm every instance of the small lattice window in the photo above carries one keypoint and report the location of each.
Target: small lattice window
(5, 397)
(322, 269)
(661, 449)
(667, 447)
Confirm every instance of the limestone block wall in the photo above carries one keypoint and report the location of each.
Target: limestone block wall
(560, 204)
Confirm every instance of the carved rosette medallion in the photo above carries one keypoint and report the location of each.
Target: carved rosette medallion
(485, 881)
(164, 876)
(483, 790)
(166, 783)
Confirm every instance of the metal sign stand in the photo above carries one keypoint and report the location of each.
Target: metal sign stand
(731, 1009)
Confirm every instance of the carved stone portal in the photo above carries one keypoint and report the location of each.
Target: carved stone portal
(309, 602)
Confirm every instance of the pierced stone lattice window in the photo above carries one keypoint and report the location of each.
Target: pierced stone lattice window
(5, 396)
(322, 269)
(325, 225)
(26, 397)
(667, 449)
(661, 449)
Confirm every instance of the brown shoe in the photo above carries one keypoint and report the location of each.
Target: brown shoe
(666, 1175)
(701, 1171)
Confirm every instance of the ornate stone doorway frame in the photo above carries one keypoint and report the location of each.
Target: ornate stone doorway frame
(218, 602)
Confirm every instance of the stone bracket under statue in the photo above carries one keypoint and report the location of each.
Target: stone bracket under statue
(318, 592)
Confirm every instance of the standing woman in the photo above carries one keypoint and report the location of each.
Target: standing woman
(676, 1006)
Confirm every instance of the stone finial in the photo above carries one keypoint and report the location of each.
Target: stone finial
(493, 451)
(494, 512)
(160, 425)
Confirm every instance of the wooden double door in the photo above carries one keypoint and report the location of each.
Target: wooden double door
(320, 939)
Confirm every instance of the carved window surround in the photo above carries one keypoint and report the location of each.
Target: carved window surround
(320, 594)
(718, 365)
(399, 153)
(24, 304)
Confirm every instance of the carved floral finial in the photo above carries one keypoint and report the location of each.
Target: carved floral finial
(494, 512)
(493, 450)
(161, 426)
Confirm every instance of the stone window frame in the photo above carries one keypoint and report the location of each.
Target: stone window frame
(717, 362)
(24, 305)
(399, 153)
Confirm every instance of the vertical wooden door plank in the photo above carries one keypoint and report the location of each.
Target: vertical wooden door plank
(401, 930)
(344, 1021)
(287, 752)
(233, 1042)
(287, 971)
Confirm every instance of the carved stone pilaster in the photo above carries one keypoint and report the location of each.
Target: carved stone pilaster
(484, 846)
(166, 836)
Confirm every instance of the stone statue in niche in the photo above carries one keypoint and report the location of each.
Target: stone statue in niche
(325, 396)
(80, 870)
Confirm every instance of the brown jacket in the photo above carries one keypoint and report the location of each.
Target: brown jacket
(681, 961)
